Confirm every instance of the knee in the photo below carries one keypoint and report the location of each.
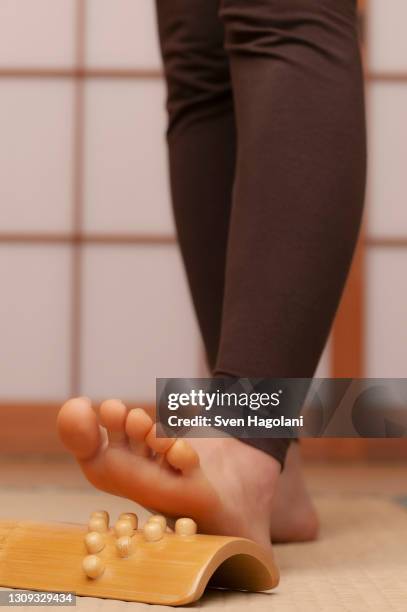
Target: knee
(260, 26)
(195, 74)
(196, 66)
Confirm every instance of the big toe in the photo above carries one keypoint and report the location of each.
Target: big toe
(78, 428)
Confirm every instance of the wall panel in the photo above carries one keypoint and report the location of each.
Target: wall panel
(36, 127)
(34, 323)
(37, 33)
(137, 45)
(126, 176)
(137, 321)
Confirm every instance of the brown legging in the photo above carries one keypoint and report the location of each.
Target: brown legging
(266, 141)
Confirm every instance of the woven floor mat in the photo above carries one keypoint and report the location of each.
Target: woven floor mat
(359, 564)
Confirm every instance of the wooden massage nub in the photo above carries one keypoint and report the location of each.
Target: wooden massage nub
(152, 565)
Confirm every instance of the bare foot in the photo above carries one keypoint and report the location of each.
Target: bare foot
(228, 488)
(293, 516)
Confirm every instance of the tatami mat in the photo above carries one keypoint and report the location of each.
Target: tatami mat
(359, 563)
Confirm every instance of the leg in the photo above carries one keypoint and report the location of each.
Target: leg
(202, 151)
(299, 193)
(201, 143)
(300, 180)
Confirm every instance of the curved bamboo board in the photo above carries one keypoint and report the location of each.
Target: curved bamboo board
(172, 571)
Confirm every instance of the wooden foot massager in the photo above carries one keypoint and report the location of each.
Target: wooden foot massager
(152, 565)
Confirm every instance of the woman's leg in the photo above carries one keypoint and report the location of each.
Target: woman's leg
(300, 179)
(202, 144)
(202, 157)
(299, 182)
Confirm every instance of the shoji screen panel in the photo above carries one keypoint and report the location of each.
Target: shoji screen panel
(387, 213)
(125, 176)
(36, 156)
(387, 36)
(36, 187)
(137, 320)
(386, 264)
(37, 33)
(34, 322)
(386, 349)
(135, 47)
(95, 295)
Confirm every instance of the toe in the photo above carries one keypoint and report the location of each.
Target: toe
(113, 415)
(138, 425)
(158, 445)
(182, 456)
(78, 428)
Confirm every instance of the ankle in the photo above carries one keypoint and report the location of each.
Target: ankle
(241, 468)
